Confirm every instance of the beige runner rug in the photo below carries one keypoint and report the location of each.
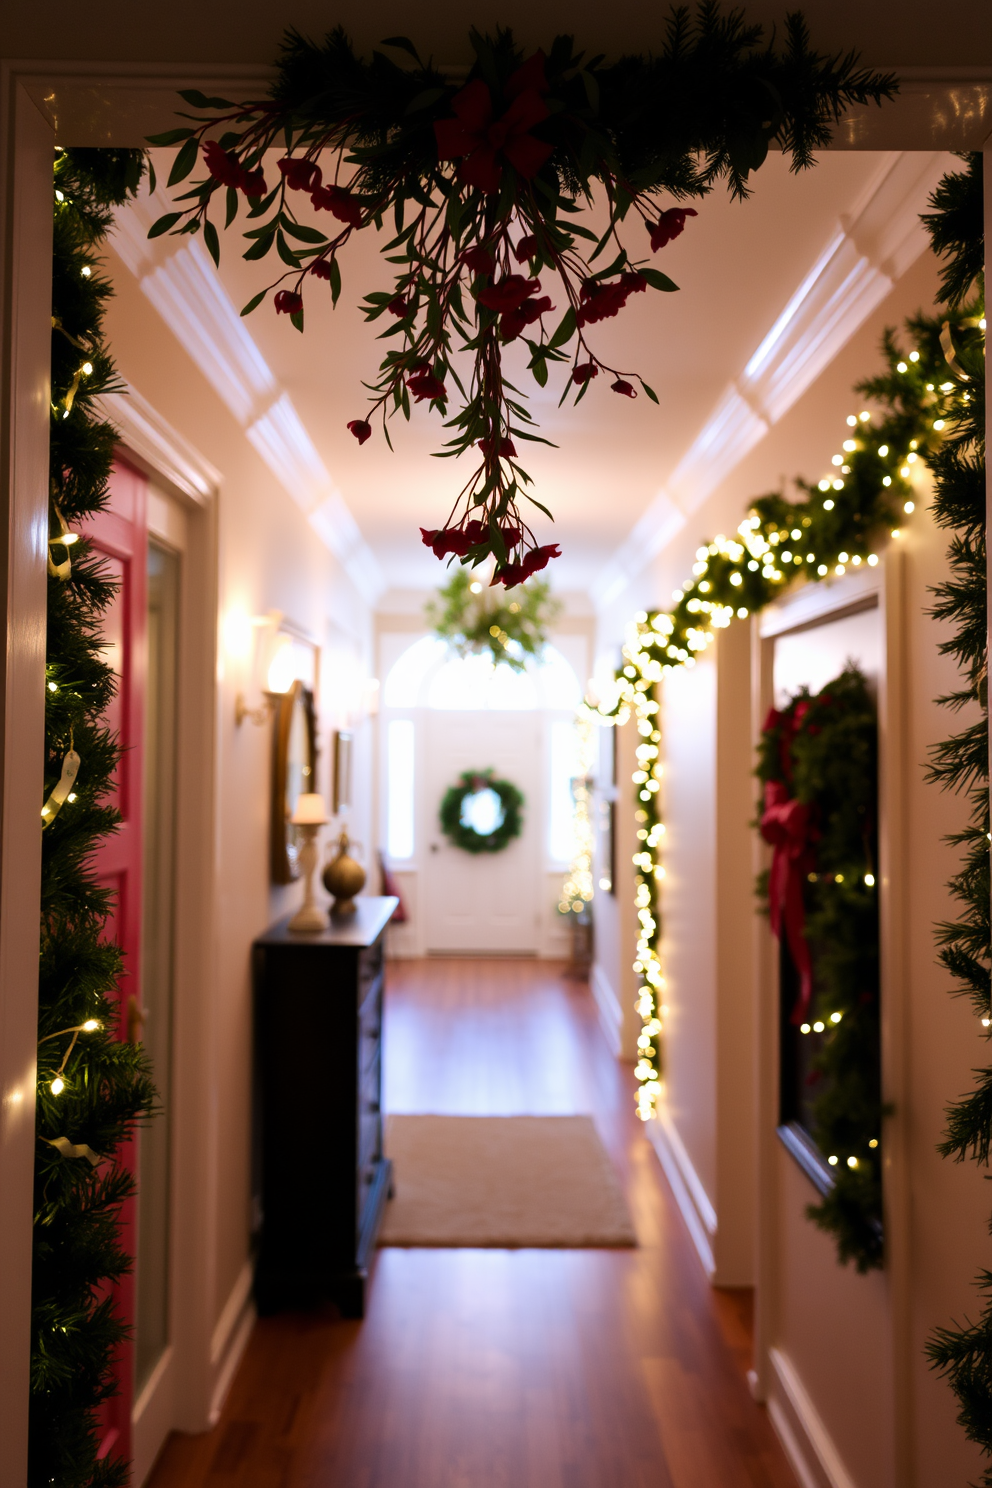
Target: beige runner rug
(502, 1181)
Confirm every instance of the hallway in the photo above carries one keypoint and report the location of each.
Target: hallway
(504, 1369)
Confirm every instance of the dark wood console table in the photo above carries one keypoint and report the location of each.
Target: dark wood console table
(322, 1178)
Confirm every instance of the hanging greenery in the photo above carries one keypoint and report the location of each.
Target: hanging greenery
(482, 183)
(474, 619)
(92, 1088)
(818, 760)
(964, 1351)
(459, 822)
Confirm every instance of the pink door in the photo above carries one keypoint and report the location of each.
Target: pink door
(120, 535)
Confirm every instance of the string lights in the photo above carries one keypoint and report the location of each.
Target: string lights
(835, 528)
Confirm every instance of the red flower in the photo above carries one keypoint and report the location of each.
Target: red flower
(484, 143)
(539, 558)
(362, 431)
(475, 532)
(508, 293)
(287, 302)
(669, 225)
(511, 574)
(341, 203)
(584, 372)
(229, 172)
(500, 444)
(425, 385)
(526, 248)
(510, 535)
(599, 301)
(623, 387)
(514, 321)
(300, 174)
(398, 307)
(320, 268)
(450, 540)
(479, 260)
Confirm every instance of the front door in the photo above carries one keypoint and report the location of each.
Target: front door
(485, 902)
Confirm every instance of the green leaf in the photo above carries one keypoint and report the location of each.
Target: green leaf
(152, 179)
(650, 391)
(164, 224)
(254, 302)
(403, 43)
(183, 163)
(232, 206)
(286, 253)
(305, 234)
(169, 137)
(657, 279)
(200, 100)
(425, 100)
(297, 319)
(539, 367)
(211, 240)
(335, 281)
(261, 248)
(566, 329)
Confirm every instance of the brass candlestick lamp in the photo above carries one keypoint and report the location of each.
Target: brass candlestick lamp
(309, 817)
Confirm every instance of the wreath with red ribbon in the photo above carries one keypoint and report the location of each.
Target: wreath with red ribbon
(483, 183)
(818, 762)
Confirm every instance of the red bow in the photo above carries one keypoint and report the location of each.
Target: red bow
(474, 134)
(785, 823)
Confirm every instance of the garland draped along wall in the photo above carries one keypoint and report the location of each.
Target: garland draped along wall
(929, 410)
(92, 1088)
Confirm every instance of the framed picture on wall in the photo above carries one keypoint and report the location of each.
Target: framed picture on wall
(341, 748)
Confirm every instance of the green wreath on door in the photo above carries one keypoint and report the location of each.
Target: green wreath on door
(471, 798)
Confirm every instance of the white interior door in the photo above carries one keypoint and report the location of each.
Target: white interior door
(486, 902)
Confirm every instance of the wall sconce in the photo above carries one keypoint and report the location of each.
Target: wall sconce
(272, 669)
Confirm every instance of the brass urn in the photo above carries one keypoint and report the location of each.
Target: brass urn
(343, 878)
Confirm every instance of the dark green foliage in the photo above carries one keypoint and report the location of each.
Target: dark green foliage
(960, 763)
(491, 620)
(823, 750)
(467, 838)
(107, 1083)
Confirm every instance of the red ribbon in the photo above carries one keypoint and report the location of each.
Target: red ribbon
(785, 823)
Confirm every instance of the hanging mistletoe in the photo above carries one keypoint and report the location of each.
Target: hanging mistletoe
(483, 184)
(473, 620)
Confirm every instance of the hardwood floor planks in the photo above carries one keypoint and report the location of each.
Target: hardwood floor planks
(504, 1369)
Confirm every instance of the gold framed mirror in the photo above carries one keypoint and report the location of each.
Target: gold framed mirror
(294, 771)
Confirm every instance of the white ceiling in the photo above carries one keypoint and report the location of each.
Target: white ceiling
(738, 265)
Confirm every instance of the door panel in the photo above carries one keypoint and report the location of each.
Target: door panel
(119, 534)
(484, 902)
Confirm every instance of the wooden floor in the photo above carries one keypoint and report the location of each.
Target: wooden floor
(504, 1369)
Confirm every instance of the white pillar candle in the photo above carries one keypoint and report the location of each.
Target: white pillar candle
(309, 810)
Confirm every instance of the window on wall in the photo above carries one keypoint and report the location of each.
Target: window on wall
(400, 784)
(564, 766)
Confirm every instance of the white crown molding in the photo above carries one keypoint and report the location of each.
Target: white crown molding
(184, 287)
(160, 447)
(873, 247)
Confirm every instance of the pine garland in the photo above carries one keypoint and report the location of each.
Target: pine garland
(963, 1352)
(92, 1088)
(823, 750)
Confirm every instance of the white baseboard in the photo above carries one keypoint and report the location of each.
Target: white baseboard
(690, 1195)
(230, 1338)
(808, 1445)
(610, 1011)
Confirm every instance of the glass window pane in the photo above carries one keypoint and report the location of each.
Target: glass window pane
(399, 763)
(564, 766)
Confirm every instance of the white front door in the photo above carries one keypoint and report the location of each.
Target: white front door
(485, 902)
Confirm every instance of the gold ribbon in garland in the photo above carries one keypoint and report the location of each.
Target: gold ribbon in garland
(74, 1149)
(59, 796)
(64, 538)
(947, 346)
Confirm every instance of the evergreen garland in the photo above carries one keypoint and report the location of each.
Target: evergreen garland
(92, 1088)
(823, 750)
(963, 1352)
